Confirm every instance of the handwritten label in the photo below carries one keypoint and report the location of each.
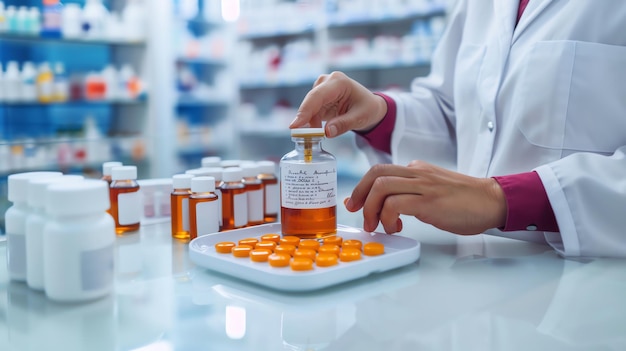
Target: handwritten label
(306, 186)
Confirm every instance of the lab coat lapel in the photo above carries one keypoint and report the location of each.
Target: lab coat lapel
(534, 9)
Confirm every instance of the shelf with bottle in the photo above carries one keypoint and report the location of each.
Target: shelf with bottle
(363, 14)
(263, 20)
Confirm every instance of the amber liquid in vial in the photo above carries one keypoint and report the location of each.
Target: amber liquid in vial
(193, 203)
(178, 214)
(113, 195)
(268, 182)
(309, 223)
(228, 207)
(255, 187)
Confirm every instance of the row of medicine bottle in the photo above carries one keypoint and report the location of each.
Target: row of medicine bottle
(60, 239)
(232, 196)
(124, 197)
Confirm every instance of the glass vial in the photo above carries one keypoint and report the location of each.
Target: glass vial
(254, 193)
(125, 199)
(179, 203)
(234, 199)
(267, 175)
(203, 207)
(106, 170)
(308, 182)
(78, 242)
(216, 172)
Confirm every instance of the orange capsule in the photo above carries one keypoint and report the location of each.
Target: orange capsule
(249, 241)
(309, 244)
(290, 240)
(309, 253)
(285, 248)
(260, 255)
(350, 254)
(279, 260)
(333, 240)
(242, 250)
(329, 248)
(326, 259)
(270, 245)
(271, 237)
(352, 244)
(301, 264)
(373, 249)
(224, 247)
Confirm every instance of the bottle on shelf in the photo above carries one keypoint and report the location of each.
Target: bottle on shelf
(28, 86)
(203, 207)
(1, 83)
(45, 83)
(94, 18)
(61, 86)
(3, 18)
(12, 82)
(179, 203)
(11, 19)
(52, 17)
(71, 23)
(133, 20)
(125, 199)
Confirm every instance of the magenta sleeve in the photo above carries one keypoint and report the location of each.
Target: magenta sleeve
(528, 207)
(380, 137)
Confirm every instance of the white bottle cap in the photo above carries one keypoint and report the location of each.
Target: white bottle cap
(37, 188)
(267, 167)
(307, 132)
(18, 184)
(215, 172)
(80, 198)
(108, 166)
(230, 163)
(249, 170)
(202, 184)
(124, 173)
(232, 174)
(182, 181)
(212, 161)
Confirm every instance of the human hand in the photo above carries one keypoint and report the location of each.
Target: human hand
(447, 200)
(342, 102)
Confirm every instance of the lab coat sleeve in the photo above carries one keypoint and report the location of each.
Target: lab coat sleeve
(425, 119)
(588, 194)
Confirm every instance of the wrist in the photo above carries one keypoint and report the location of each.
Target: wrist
(381, 109)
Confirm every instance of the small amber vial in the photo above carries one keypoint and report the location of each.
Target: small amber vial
(254, 193)
(203, 209)
(267, 174)
(179, 204)
(125, 199)
(308, 184)
(234, 199)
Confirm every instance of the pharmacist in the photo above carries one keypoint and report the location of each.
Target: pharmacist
(526, 101)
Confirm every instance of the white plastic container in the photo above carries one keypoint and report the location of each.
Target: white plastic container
(78, 242)
(71, 23)
(15, 221)
(35, 222)
(94, 18)
(28, 86)
(134, 20)
(12, 82)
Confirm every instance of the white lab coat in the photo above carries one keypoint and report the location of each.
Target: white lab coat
(547, 95)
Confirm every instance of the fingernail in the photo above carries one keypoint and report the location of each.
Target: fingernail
(332, 131)
(346, 201)
(293, 122)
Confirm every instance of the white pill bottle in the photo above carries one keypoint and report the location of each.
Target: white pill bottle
(78, 242)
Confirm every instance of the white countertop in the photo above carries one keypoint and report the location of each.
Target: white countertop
(465, 293)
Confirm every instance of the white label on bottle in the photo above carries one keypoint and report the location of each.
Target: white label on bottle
(129, 208)
(96, 268)
(311, 185)
(218, 192)
(255, 205)
(207, 218)
(186, 215)
(271, 199)
(240, 202)
(16, 256)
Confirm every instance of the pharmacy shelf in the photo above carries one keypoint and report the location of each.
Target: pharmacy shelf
(188, 101)
(378, 66)
(278, 84)
(121, 102)
(340, 20)
(201, 61)
(273, 33)
(35, 39)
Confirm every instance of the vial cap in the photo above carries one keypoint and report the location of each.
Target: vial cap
(182, 181)
(230, 163)
(267, 167)
(18, 184)
(207, 171)
(75, 199)
(124, 173)
(202, 184)
(307, 132)
(232, 174)
(249, 170)
(37, 188)
(108, 166)
(213, 161)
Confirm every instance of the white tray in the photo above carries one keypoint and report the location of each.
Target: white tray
(399, 251)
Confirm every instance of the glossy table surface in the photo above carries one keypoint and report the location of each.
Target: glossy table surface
(465, 293)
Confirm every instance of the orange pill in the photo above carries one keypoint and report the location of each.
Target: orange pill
(301, 264)
(270, 245)
(242, 250)
(290, 240)
(224, 247)
(271, 237)
(260, 255)
(309, 244)
(350, 254)
(308, 253)
(373, 249)
(333, 240)
(249, 241)
(326, 259)
(352, 244)
(285, 248)
(329, 248)
(279, 260)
